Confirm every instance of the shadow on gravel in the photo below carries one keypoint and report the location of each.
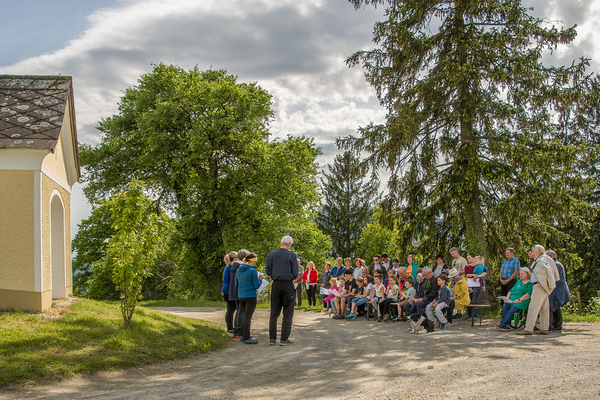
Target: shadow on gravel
(330, 359)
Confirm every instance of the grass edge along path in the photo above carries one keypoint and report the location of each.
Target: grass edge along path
(89, 336)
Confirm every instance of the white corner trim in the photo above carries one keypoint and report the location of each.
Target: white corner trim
(68, 146)
(22, 159)
(38, 268)
(56, 179)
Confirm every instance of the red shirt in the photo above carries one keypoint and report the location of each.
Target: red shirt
(313, 278)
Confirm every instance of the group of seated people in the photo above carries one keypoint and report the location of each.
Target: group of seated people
(401, 291)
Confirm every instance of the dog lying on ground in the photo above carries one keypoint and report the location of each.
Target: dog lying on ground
(420, 324)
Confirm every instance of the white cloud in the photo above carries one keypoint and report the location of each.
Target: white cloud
(296, 50)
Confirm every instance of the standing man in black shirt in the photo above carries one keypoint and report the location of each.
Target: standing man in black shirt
(282, 268)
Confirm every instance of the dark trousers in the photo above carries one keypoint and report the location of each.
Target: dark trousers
(299, 293)
(231, 307)
(238, 320)
(450, 310)
(311, 294)
(504, 289)
(384, 306)
(249, 305)
(282, 297)
(418, 308)
(475, 294)
(556, 319)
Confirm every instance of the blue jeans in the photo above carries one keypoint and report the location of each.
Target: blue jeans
(361, 301)
(474, 300)
(332, 304)
(508, 310)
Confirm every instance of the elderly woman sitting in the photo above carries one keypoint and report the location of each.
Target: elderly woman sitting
(518, 298)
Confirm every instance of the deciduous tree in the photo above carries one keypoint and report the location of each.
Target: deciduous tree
(200, 141)
(132, 250)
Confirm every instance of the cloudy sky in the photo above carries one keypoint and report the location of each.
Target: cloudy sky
(293, 48)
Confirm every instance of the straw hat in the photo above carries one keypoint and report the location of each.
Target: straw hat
(453, 272)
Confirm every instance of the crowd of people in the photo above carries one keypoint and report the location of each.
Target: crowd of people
(394, 292)
(397, 291)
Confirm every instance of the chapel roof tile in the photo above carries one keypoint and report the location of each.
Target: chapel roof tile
(32, 109)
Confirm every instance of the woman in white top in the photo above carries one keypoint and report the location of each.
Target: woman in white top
(358, 268)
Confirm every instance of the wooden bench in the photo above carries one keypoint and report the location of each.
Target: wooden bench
(370, 308)
(477, 307)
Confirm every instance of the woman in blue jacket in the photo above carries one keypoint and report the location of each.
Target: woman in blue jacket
(246, 280)
(228, 259)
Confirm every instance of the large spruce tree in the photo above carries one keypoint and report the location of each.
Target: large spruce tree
(478, 135)
(347, 203)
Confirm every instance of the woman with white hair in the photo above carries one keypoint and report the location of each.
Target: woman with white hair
(518, 298)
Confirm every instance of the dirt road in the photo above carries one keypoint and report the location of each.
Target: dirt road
(335, 359)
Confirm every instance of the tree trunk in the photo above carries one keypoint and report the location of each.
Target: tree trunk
(468, 148)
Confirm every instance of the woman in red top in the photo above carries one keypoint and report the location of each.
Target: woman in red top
(311, 277)
(471, 271)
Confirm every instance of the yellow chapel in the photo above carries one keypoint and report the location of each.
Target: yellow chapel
(38, 167)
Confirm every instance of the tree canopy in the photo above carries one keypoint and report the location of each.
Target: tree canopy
(200, 141)
(483, 142)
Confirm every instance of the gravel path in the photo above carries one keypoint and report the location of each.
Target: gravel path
(335, 359)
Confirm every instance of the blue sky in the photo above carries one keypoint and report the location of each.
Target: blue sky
(43, 26)
(294, 49)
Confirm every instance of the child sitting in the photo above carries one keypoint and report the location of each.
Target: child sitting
(441, 301)
(362, 296)
(377, 294)
(335, 302)
(349, 292)
(334, 286)
(392, 297)
(404, 297)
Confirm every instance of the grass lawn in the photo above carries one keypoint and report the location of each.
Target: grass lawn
(88, 336)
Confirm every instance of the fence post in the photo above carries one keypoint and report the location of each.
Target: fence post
(598, 294)
(579, 303)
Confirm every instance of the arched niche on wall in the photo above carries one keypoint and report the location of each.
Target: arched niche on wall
(57, 246)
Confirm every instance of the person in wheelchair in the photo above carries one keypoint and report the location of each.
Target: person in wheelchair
(517, 299)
